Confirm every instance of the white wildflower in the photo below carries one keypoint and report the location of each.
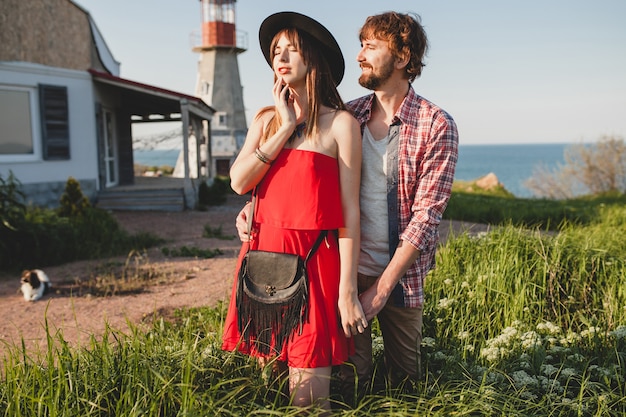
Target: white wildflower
(493, 378)
(445, 303)
(448, 282)
(469, 348)
(465, 284)
(509, 333)
(571, 339)
(491, 354)
(530, 340)
(528, 395)
(569, 372)
(377, 345)
(619, 333)
(600, 371)
(576, 357)
(551, 340)
(428, 342)
(550, 385)
(463, 335)
(548, 370)
(590, 332)
(522, 380)
(548, 327)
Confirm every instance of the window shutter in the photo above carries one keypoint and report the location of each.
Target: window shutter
(55, 126)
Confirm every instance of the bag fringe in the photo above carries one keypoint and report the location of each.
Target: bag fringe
(258, 322)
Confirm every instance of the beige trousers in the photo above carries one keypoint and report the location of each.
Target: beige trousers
(402, 336)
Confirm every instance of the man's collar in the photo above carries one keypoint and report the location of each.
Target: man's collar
(403, 113)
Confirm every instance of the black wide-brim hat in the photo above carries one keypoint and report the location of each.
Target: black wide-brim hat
(325, 40)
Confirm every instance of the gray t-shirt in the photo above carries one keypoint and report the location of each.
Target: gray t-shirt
(374, 255)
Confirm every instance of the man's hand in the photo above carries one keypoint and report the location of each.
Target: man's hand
(242, 223)
(372, 301)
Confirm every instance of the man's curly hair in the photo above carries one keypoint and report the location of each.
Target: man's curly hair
(405, 36)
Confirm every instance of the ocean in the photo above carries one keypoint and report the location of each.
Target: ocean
(512, 164)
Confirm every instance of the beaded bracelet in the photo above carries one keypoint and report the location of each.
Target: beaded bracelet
(262, 157)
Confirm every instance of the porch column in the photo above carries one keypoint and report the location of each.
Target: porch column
(190, 195)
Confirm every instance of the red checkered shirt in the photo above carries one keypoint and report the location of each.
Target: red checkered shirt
(427, 150)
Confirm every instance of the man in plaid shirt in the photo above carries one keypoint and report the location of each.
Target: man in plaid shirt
(410, 149)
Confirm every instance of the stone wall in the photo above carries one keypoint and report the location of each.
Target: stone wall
(48, 194)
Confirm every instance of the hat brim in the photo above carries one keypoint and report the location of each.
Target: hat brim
(279, 21)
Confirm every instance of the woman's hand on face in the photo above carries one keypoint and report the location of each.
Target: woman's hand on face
(284, 103)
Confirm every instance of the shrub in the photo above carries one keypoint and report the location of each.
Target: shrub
(12, 205)
(588, 170)
(73, 202)
(12, 212)
(35, 237)
(214, 194)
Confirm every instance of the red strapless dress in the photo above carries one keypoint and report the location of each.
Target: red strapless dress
(298, 197)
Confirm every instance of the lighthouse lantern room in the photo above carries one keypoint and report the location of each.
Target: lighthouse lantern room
(218, 23)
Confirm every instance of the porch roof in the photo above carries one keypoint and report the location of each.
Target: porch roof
(149, 103)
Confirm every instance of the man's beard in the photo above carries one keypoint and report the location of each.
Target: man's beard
(375, 79)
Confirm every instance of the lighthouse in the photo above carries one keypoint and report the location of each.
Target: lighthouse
(218, 82)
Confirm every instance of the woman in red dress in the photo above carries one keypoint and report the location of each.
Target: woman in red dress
(303, 155)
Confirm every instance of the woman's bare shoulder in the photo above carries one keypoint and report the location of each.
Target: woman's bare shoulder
(343, 119)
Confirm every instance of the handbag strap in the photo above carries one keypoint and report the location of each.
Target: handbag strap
(316, 245)
(251, 214)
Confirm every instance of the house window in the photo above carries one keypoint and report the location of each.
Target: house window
(19, 139)
(55, 126)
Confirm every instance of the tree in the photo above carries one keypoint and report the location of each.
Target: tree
(588, 170)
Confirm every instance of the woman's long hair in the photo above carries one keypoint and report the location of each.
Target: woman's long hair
(320, 86)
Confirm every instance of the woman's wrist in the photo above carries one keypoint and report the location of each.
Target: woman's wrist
(262, 156)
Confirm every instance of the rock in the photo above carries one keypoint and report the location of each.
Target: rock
(488, 182)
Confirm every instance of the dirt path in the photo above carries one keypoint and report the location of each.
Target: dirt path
(191, 282)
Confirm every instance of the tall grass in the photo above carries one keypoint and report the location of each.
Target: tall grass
(540, 316)
(517, 322)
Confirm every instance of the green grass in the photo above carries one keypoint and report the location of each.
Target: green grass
(499, 208)
(517, 322)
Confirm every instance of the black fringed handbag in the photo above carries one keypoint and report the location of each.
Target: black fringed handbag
(272, 295)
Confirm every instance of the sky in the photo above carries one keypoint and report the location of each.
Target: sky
(509, 72)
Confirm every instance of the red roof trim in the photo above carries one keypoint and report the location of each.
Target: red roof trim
(106, 76)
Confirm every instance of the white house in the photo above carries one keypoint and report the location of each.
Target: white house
(64, 110)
